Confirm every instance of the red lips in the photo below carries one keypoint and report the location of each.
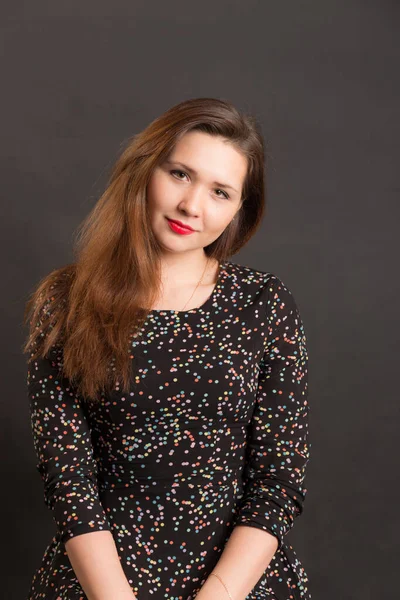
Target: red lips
(181, 224)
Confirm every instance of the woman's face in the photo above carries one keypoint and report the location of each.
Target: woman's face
(183, 188)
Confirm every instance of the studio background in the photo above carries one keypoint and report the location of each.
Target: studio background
(79, 79)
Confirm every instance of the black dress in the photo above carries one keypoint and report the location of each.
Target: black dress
(213, 433)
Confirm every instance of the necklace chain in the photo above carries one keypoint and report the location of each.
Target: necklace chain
(201, 279)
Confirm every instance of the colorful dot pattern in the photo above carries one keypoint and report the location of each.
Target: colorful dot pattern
(213, 433)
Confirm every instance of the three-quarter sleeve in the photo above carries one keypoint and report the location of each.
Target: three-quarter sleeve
(278, 447)
(63, 447)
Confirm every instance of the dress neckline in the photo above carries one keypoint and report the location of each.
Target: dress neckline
(205, 305)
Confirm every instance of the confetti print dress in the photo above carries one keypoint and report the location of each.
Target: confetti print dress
(213, 434)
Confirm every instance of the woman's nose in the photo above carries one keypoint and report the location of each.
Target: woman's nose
(193, 199)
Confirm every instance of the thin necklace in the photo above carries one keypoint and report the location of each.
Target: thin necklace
(208, 260)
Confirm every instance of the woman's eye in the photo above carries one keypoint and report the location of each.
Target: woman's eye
(175, 171)
(183, 172)
(225, 194)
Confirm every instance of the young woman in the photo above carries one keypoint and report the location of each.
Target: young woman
(168, 384)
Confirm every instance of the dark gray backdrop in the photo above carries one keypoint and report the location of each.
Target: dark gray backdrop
(78, 79)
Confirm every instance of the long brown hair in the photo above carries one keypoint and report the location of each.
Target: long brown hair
(93, 306)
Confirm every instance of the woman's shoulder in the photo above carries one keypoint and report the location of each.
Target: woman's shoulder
(46, 310)
(252, 277)
(260, 285)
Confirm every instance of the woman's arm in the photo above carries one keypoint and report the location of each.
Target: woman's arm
(65, 461)
(240, 568)
(278, 450)
(95, 560)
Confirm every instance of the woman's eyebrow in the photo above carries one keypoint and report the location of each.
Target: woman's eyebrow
(187, 168)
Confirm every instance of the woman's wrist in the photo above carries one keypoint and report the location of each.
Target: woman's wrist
(213, 588)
